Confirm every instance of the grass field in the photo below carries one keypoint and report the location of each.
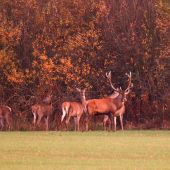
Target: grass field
(85, 150)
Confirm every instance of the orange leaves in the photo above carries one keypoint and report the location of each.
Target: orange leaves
(66, 62)
(43, 57)
(85, 39)
(10, 36)
(9, 65)
(44, 68)
(103, 8)
(77, 41)
(15, 76)
(48, 66)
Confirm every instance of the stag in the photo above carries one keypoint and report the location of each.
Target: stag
(5, 116)
(74, 109)
(114, 104)
(42, 110)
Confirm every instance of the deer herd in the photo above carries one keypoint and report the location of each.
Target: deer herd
(110, 107)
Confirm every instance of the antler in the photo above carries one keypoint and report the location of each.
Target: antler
(130, 84)
(78, 89)
(81, 90)
(108, 75)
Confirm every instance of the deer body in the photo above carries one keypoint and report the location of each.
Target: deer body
(74, 109)
(5, 116)
(42, 110)
(104, 106)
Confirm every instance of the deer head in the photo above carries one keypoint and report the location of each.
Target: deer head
(119, 90)
(81, 91)
(48, 98)
(83, 97)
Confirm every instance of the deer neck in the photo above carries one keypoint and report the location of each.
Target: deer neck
(117, 99)
(84, 102)
(114, 95)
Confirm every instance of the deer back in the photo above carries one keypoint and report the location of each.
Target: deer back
(104, 105)
(42, 109)
(75, 108)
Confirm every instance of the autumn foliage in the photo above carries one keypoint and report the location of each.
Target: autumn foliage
(49, 45)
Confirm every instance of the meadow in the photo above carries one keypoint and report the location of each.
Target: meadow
(96, 150)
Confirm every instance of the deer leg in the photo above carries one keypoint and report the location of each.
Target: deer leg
(94, 120)
(67, 121)
(8, 122)
(78, 123)
(2, 123)
(109, 124)
(121, 121)
(104, 125)
(35, 117)
(46, 121)
(109, 120)
(105, 121)
(75, 123)
(87, 123)
(39, 119)
(115, 123)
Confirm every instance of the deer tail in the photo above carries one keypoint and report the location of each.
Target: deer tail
(65, 112)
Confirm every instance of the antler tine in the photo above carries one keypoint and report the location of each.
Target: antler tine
(108, 75)
(129, 75)
(130, 84)
(78, 89)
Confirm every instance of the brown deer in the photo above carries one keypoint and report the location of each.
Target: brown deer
(74, 109)
(44, 109)
(5, 116)
(114, 104)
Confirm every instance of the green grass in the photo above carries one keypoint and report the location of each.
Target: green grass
(133, 150)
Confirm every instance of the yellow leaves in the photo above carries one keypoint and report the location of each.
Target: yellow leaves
(44, 65)
(9, 66)
(48, 66)
(15, 76)
(86, 69)
(66, 62)
(103, 8)
(43, 69)
(77, 41)
(89, 38)
(10, 35)
(43, 57)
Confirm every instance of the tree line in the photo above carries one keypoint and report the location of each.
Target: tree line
(49, 45)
